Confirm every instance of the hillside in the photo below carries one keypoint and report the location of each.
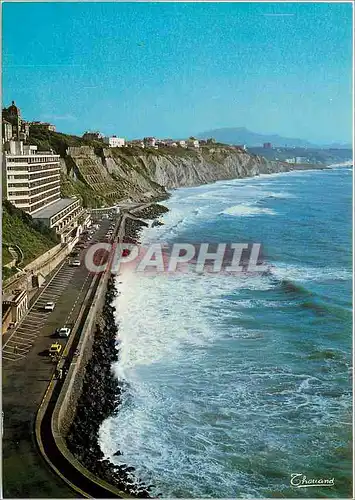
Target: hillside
(241, 135)
(312, 155)
(19, 229)
(104, 176)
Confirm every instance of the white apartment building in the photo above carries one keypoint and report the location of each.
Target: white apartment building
(32, 183)
(31, 178)
(114, 142)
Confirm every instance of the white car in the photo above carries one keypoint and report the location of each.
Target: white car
(64, 332)
(75, 263)
(49, 306)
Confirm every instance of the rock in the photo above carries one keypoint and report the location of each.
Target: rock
(96, 405)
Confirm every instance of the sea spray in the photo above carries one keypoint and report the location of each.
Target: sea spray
(100, 398)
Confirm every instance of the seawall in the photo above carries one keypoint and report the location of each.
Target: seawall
(33, 275)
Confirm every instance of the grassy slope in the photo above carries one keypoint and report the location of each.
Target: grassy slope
(17, 230)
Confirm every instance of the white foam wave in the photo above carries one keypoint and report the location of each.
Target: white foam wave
(188, 408)
(304, 273)
(247, 211)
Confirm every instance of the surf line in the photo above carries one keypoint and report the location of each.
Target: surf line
(177, 257)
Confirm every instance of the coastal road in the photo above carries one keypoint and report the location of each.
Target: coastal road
(26, 373)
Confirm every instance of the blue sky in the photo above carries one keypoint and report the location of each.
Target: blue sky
(176, 69)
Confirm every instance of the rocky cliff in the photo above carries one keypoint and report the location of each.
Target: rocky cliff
(105, 176)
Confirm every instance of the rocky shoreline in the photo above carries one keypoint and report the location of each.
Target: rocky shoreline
(95, 406)
(100, 398)
(152, 211)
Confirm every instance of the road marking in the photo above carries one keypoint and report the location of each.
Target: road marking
(10, 350)
(30, 309)
(27, 326)
(57, 287)
(22, 331)
(16, 358)
(18, 342)
(36, 317)
(34, 320)
(25, 335)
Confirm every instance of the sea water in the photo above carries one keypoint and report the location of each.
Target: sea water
(233, 383)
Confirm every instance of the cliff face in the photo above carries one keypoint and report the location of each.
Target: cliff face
(136, 174)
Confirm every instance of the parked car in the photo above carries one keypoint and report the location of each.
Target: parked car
(49, 306)
(75, 263)
(64, 332)
(55, 349)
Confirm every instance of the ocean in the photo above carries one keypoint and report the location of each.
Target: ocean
(234, 383)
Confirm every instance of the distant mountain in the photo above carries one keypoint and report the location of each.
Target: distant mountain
(241, 135)
(338, 145)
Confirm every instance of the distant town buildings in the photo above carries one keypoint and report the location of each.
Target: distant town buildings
(135, 143)
(301, 159)
(114, 142)
(43, 126)
(93, 136)
(267, 145)
(297, 159)
(13, 126)
(193, 143)
(150, 142)
(6, 131)
(153, 142)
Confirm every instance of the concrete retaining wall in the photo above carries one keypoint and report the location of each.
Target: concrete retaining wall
(42, 259)
(65, 409)
(71, 391)
(35, 271)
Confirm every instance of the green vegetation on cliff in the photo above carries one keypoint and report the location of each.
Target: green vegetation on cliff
(103, 176)
(46, 140)
(85, 171)
(19, 229)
